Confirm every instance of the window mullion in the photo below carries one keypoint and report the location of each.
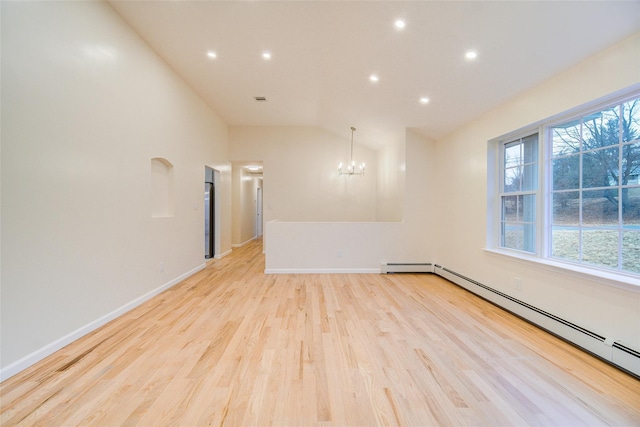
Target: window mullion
(545, 195)
(619, 182)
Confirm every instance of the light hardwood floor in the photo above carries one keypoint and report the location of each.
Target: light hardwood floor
(231, 346)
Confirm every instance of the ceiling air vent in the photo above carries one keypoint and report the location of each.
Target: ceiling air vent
(260, 98)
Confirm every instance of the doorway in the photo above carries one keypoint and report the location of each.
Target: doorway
(209, 213)
(259, 212)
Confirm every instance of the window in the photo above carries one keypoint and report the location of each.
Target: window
(580, 204)
(595, 195)
(518, 195)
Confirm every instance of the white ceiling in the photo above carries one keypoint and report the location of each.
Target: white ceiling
(324, 51)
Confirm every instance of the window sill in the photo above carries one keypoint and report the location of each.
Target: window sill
(618, 280)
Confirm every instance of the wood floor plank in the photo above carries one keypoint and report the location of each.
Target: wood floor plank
(232, 346)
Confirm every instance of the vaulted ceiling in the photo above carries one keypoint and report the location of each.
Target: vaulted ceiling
(324, 52)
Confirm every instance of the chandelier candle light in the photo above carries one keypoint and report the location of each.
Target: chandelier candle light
(351, 169)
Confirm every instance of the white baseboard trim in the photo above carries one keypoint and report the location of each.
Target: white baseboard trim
(36, 356)
(322, 271)
(239, 245)
(224, 254)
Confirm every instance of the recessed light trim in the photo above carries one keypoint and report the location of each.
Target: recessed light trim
(399, 24)
(212, 54)
(266, 55)
(373, 78)
(424, 100)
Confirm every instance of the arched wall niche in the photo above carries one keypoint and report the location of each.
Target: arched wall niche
(161, 188)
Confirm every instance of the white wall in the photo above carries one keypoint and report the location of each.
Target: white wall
(391, 181)
(85, 107)
(301, 181)
(363, 246)
(613, 312)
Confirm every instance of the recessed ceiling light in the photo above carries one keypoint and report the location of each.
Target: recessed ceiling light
(424, 100)
(399, 24)
(211, 54)
(266, 55)
(471, 54)
(374, 78)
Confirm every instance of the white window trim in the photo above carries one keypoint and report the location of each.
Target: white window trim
(495, 172)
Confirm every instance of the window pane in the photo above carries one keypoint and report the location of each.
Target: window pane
(600, 247)
(530, 149)
(600, 168)
(530, 177)
(630, 164)
(566, 208)
(520, 165)
(529, 237)
(518, 222)
(512, 179)
(566, 138)
(513, 236)
(631, 251)
(631, 208)
(527, 208)
(600, 207)
(509, 208)
(565, 242)
(519, 208)
(512, 155)
(631, 120)
(566, 173)
(601, 129)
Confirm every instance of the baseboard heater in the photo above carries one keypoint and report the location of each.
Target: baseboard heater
(606, 349)
(389, 267)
